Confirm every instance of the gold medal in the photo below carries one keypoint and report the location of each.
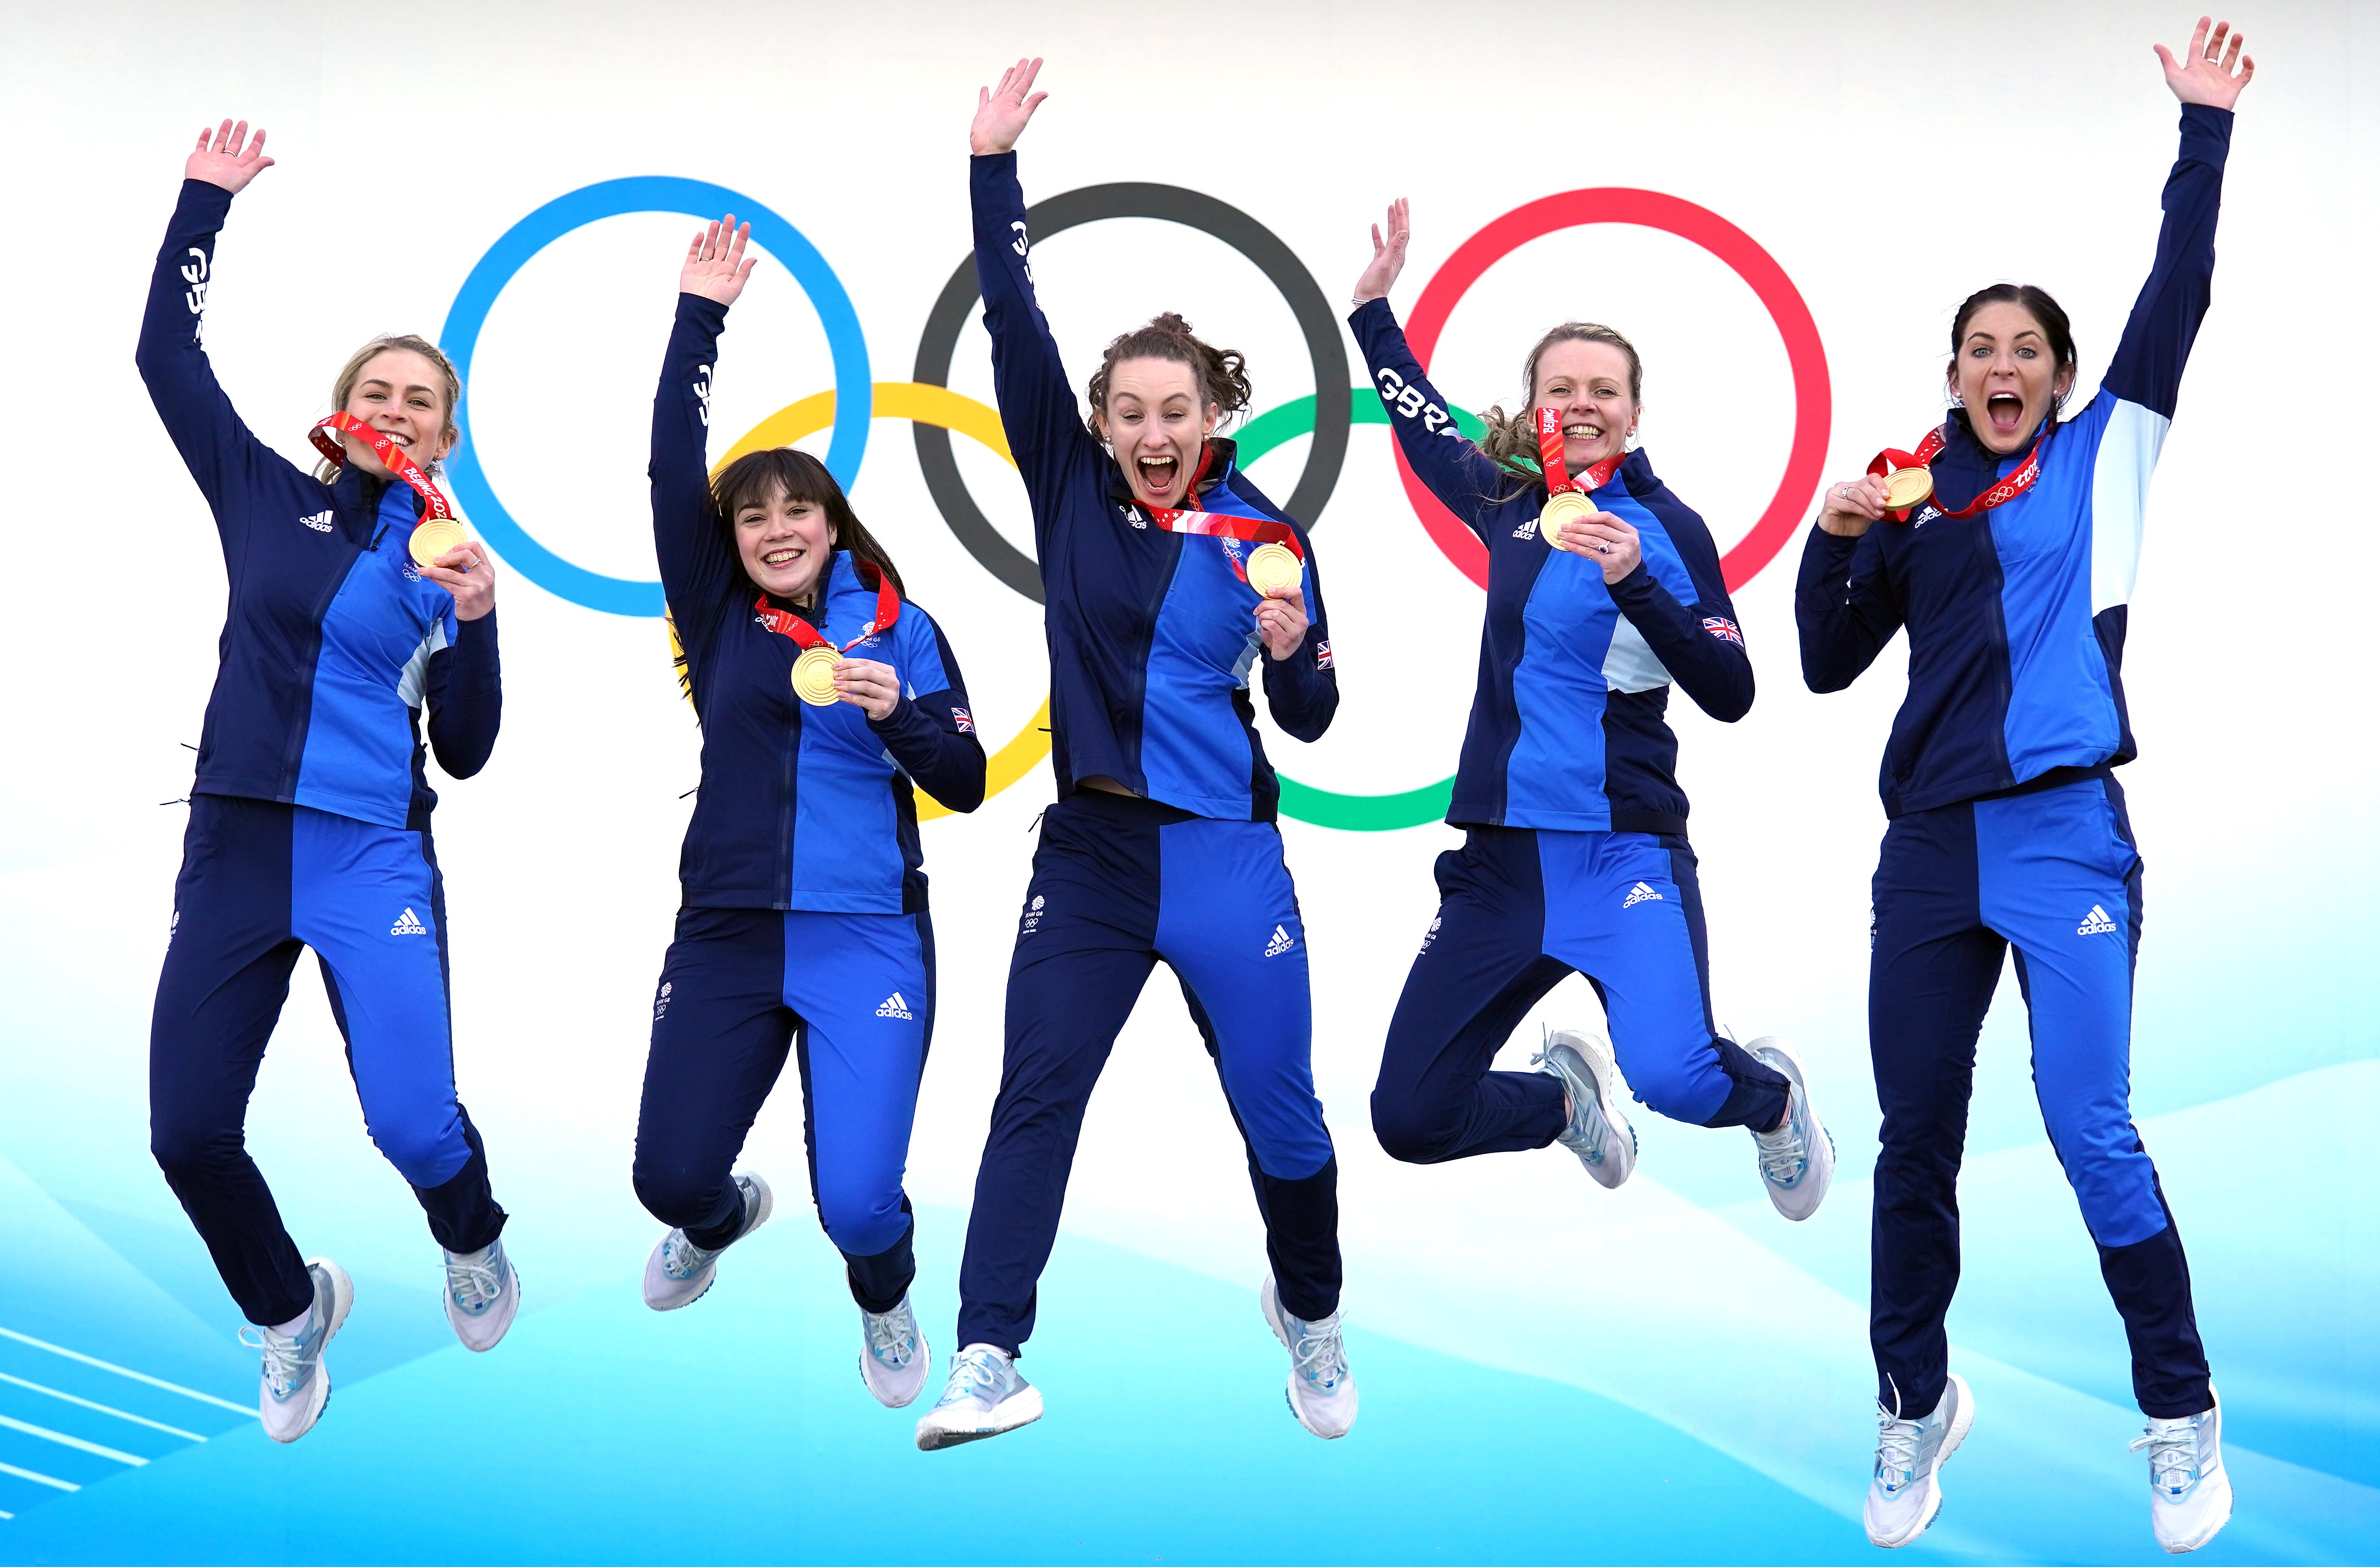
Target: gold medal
(1274, 569)
(1561, 506)
(432, 537)
(1907, 487)
(814, 676)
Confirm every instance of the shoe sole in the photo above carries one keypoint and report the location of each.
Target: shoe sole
(1269, 1297)
(1026, 1398)
(1822, 1147)
(1604, 1071)
(511, 1309)
(343, 1296)
(756, 1215)
(1960, 1424)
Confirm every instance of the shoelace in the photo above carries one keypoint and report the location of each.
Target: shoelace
(474, 1285)
(284, 1358)
(975, 1374)
(681, 1259)
(889, 1339)
(1895, 1449)
(1320, 1353)
(1784, 1153)
(2173, 1455)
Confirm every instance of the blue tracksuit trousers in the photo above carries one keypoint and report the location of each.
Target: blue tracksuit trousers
(2054, 874)
(1119, 885)
(259, 882)
(851, 998)
(1520, 910)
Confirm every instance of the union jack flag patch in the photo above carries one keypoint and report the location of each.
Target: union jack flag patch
(1322, 655)
(964, 719)
(1723, 628)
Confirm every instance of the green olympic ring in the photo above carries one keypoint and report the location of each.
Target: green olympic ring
(1302, 802)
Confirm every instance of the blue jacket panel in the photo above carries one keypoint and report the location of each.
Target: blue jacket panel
(2016, 615)
(1152, 634)
(800, 807)
(1569, 727)
(332, 645)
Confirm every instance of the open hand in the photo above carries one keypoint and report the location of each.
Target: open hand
(2212, 74)
(716, 266)
(1853, 506)
(1000, 112)
(464, 571)
(234, 159)
(1388, 255)
(874, 688)
(1281, 622)
(1606, 541)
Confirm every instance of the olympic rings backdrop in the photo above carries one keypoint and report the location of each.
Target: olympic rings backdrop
(1779, 206)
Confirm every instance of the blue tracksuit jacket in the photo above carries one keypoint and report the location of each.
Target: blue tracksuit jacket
(1567, 727)
(2016, 615)
(1151, 634)
(801, 807)
(332, 644)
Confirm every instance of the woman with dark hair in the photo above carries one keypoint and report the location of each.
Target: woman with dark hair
(1603, 589)
(2008, 545)
(360, 619)
(825, 700)
(1169, 580)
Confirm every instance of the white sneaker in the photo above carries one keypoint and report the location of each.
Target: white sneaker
(296, 1387)
(1321, 1389)
(1907, 1490)
(2189, 1491)
(483, 1295)
(679, 1271)
(1797, 1161)
(984, 1397)
(894, 1358)
(1598, 1130)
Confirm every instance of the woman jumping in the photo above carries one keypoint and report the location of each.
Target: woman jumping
(357, 608)
(2008, 546)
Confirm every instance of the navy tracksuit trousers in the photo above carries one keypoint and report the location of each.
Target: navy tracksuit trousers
(261, 881)
(1520, 910)
(1119, 885)
(2054, 874)
(851, 998)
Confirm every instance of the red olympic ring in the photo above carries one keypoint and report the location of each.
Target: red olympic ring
(1812, 396)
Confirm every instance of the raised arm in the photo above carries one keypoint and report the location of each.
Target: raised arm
(1463, 478)
(1037, 404)
(172, 354)
(2148, 360)
(698, 568)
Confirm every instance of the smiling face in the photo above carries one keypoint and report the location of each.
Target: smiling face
(1586, 383)
(786, 544)
(401, 392)
(1157, 423)
(2007, 375)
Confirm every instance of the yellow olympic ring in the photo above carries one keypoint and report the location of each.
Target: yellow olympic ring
(923, 404)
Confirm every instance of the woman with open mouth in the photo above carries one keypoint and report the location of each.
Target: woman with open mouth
(357, 608)
(2006, 543)
(1168, 579)
(826, 701)
(1603, 589)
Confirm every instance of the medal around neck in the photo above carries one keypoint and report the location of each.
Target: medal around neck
(1273, 570)
(1908, 482)
(438, 530)
(432, 537)
(1907, 486)
(814, 676)
(1566, 498)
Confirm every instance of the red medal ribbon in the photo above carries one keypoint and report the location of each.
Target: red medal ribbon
(1999, 494)
(1550, 458)
(392, 457)
(1195, 519)
(888, 609)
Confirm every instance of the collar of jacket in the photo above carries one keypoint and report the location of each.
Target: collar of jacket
(1225, 458)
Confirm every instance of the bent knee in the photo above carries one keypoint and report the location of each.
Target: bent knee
(862, 1220)
(1410, 1131)
(427, 1156)
(191, 1147)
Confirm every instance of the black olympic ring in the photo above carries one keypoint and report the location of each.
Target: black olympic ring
(1333, 402)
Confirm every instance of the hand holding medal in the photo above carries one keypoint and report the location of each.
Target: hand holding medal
(438, 544)
(1571, 522)
(1281, 620)
(822, 677)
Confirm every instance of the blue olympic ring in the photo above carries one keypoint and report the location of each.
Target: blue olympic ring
(855, 383)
